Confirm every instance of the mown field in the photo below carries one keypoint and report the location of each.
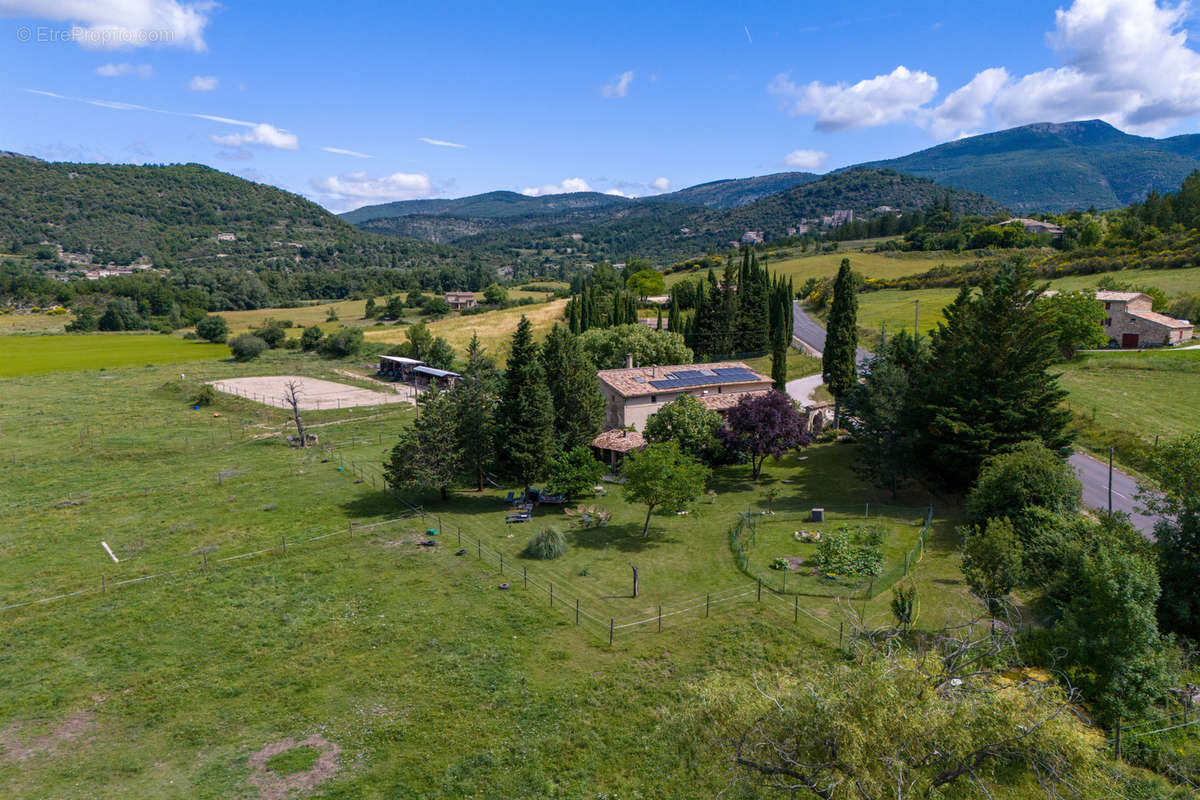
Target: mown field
(431, 680)
(1148, 394)
(32, 355)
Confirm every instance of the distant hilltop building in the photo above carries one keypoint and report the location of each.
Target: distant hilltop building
(838, 218)
(752, 237)
(1036, 226)
(460, 300)
(226, 237)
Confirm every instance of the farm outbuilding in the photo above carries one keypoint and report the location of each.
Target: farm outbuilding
(398, 367)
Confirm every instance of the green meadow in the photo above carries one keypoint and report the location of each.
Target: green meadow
(176, 666)
(35, 355)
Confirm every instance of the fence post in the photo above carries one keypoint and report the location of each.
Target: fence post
(610, 631)
(351, 527)
(502, 563)
(796, 616)
(525, 577)
(479, 550)
(576, 610)
(841, 628)
(660, 618)
(103, 584)
(707, 602)
(1117, 742)
(552, 595)
(759, 600)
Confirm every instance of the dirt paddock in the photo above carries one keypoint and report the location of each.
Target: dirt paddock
(314, 394)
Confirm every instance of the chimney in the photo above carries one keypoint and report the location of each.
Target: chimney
(629, 361)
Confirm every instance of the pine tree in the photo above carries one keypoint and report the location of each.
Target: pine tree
(427, 455)
(525, 418)
(989, 384)
(839, 361)
(475, 399)
(574, 389)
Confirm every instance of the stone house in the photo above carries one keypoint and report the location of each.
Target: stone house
(460, 300)
(633, 394)
(1130, 321)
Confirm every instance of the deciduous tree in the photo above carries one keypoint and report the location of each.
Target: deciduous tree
(763, 425)
(689, 424)
(662, 474)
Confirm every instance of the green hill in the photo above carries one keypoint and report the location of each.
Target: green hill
(491, 205)
(1057, 167)
(731, 193)
(173, 215)
(669, 231)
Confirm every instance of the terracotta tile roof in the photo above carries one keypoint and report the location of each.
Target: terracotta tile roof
(1120, 297)
(723, 402)
(1161, 319)
(619, 441)
(637, 382)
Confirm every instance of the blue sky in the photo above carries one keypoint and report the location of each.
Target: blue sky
(625, 97)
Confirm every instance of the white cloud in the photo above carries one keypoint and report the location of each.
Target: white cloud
(203, 83)
(122, 24)
(568, 185)
(966, 107)
(262, 133)
(1123, 61)
(142, 71)
(359, 187)
(1126, 62)
(661, 184)
(618, 86)
(441, 143)
(805, 159)
(866, 104)
(342, 152)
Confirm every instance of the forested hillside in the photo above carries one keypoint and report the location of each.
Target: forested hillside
(732, 193)
(490, 205)
(172, 216)
(668, 231)
(1057, 167)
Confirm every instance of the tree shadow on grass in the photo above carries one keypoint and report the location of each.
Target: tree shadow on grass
(622, 538)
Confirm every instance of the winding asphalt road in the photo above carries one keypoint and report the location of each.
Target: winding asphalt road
(1092, 473)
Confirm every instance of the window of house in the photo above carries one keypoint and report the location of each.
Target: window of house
(653, 398)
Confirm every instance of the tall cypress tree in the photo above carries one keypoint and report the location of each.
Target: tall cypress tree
(475, 399)
(525, 418)
(838, 362)
(574, 390)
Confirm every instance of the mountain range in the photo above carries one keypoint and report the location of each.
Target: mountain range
(1042, 167)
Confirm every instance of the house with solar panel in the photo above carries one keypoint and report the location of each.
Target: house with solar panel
(633, 394)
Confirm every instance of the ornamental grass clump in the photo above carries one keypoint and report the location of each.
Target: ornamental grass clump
(546, 544)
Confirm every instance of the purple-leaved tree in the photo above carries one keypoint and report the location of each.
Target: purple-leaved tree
(764, 425)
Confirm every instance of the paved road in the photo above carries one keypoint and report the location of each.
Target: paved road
(801, 390)
(812, 333)
(1093, 474)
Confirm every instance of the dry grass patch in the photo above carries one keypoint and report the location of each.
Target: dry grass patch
(495, 328)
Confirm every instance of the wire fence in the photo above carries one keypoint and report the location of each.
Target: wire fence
(200, 560)
(788, 578)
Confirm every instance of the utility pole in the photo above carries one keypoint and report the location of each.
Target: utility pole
(1110, 477)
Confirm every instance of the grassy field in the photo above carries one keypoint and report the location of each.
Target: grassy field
(431, 680)
(495, 328)
(894, 307)
(21, 322)
(1148, 393)
(29, 355)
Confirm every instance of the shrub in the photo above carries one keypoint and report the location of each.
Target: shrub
(272, 333)
(206, 395)
(212, 328)
(837, 555)
(342, 343)
(311, 338)
(546, 544)
(247, 347)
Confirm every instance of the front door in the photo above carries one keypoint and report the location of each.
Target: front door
(1129, 340)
